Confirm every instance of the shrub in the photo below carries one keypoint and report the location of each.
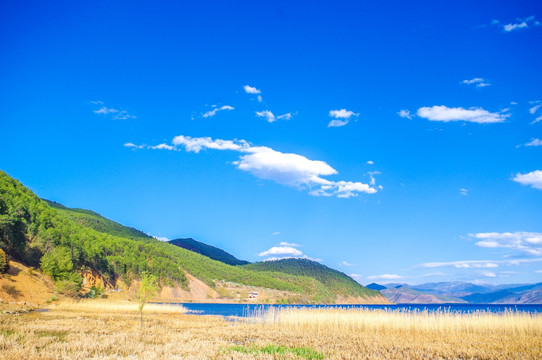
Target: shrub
(4, 263)
(11, 290)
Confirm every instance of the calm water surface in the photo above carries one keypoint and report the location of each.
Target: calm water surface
(243, 310)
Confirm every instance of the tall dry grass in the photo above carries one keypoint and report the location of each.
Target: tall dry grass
(396, 321)
(98, 330)
(123, 307)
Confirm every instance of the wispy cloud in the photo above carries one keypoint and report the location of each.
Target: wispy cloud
(284, 243)
(477, 264)
(529, 243)
(489, 274)
(538, 119)
(464, 192)
(385, 277)
(534, 109)
(478, 82)
(251, 90)
(270, 117)
(534, 179)
(345, 263)
(405, 114)
(534, 142)
(340, 117)
(132, 145)
(475, 115)
(283, 168)
(372, 176)
(276, 233)
(115, 114)
(216, 109)
(517, 25)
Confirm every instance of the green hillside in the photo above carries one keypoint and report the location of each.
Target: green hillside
(63, 242)
(97, 222)
(336, 281)
(208, 250)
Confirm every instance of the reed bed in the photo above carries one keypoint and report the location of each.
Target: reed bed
(119, 307)
(102, 330)
(385, 321)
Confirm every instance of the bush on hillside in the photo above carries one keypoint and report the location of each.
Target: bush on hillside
(4, 263)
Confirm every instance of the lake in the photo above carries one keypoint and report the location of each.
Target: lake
(242, 310)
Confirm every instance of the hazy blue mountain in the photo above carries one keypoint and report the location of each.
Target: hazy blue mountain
(375, 286)
(444, 292)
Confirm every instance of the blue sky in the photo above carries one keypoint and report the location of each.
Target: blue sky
(397, 142)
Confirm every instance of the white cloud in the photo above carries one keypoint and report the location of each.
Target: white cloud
(287, 116)
(270, 117)
(123, 115)
(478, 82)
(521, 24)
(477, 264)
(538, 119)
(534, 109)
(445, 114)
(538, 271)
(162, 147)
(534, 142)
(132, 145)
(464, 192)
(337, 123)
(512, 27)
(345, 263)
(284, 168)
(259, 97)
(105, 110)
(434, 274)
(276, 233)
(196, 144)
(385, 277)
(115, 113)
(281, 250)
(161, 238)
(216, 109)
(534, 178)
(342, 114)
(469, 264)
(284, 243)
(405, 114)
(490, 274)
(251, 90)
(370, 162)
(372, 176)
(527, 242)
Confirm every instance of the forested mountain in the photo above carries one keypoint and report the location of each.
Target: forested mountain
(64, 242)
(336, 281)
(95, 221)
(208, 250)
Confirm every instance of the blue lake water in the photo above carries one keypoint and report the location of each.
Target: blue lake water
(243, 310)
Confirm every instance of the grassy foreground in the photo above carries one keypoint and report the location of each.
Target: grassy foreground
(110, 331)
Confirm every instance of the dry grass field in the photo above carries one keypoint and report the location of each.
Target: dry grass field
(105, 330)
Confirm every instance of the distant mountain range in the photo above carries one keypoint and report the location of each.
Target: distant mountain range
(461, 292)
